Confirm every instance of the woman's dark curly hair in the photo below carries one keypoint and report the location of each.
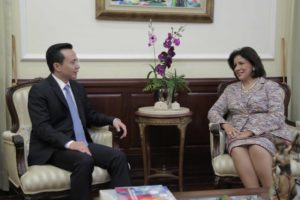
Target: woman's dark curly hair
(249, 54)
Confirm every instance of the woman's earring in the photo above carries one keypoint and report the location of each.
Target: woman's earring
(253, 69)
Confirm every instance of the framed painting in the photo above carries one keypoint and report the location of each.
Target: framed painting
(160, 10)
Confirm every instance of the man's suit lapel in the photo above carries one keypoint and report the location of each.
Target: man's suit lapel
(62, 98)
(57, 90)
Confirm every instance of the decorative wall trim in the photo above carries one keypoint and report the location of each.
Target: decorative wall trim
(127, 57)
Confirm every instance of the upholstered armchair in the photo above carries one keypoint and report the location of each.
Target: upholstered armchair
(222, 163)
(39, 181)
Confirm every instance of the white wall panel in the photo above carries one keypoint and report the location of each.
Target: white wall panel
(118, 49)
(236, 23)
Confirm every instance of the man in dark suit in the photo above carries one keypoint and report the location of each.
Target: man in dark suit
(60, 114)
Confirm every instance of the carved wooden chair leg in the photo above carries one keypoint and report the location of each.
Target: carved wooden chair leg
(217, 182)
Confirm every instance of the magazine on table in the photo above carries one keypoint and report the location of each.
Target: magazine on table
(147, 192)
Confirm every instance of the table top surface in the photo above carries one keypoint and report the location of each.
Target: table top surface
(261, 192)
(188, 195)
(150, 111)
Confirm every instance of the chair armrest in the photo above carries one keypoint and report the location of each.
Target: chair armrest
(289, 122)
(102, 135)
(14, 156)
(116, 137)
(217, 139)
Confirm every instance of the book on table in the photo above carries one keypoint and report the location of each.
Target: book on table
(147, 192)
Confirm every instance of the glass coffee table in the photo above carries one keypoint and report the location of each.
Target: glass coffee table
(242, 193)
(257, 193)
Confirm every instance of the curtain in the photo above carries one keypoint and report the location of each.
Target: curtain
(295, 69)
(5, 79)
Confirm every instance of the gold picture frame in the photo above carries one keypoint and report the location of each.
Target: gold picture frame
(159, 10)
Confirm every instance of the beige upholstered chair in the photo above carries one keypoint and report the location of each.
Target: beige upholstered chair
(39, 181)
(222, 163)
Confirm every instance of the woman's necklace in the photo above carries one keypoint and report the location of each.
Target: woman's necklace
(250, 87)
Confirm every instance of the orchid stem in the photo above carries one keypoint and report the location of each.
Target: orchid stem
(154, 55)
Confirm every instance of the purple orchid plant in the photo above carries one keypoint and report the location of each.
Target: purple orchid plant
(163, 77)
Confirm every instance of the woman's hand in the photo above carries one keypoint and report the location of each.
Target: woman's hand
(245, 134)
(230, 130)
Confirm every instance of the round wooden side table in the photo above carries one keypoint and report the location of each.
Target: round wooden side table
(146, 116)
